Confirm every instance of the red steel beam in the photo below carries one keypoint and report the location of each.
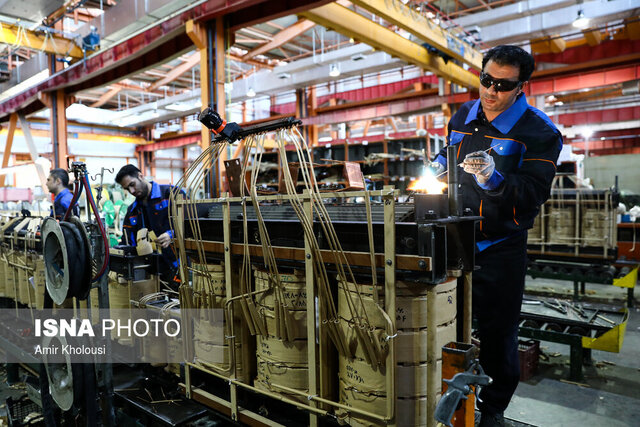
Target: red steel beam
(599, 116)
(181, 140)
(608, 147)
(586, 53)
(582, 80)
(384, 108)
(379, 137)
(362, 94)
(615, 141)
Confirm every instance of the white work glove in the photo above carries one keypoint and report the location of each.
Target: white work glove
(481, 164)
(164, 240)
(437, 168)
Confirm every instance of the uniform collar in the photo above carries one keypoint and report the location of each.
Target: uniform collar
(155, 191)
(505, 120)
(155, 194)
(61, 194)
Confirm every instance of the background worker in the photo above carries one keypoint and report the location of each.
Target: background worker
(58, 185)
(509, 151)
(150, 210)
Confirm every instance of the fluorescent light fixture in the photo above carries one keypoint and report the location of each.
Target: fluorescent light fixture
(430, 15)
(581, 21)
(587, 132)
(126, 121)
(251, 93)
(180, 106)
(334, 70)
(325, 139)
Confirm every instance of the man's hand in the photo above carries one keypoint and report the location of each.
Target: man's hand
(481, 164)
(437, 168)
(164, 240)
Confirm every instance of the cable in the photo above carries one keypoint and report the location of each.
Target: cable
(77, 191)
(105, 239)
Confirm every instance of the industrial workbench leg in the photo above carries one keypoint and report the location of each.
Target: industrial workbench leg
(630, 297)
(575, 362)
(12, 373)
(586, 357)
(576, 291)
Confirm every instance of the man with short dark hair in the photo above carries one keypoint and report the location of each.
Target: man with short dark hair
(57, 184)
(509, 151)
(150, 210)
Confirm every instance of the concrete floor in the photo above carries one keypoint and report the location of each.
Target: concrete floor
(610, 394)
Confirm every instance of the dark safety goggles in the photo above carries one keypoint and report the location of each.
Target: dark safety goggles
(500, 85)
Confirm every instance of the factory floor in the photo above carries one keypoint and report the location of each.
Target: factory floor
(610, 392)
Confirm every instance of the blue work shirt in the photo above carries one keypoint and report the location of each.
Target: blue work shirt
(525, 145)
(61, 204)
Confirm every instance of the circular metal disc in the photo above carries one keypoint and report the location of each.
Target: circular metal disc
(60, 375)
(56, 261)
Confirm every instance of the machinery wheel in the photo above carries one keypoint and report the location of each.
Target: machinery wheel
(65, 255)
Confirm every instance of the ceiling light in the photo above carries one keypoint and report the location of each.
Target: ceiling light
(180, 106)
(251, 93)
(325, 139)
(587, 132)
(351, 40)
(430, 15)
(404, 1)
(334, 70)
(580, 21)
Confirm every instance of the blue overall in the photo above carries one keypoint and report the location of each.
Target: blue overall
(152, 215)
(61, 204)
(525, 145)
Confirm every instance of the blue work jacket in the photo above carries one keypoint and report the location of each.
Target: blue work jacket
(154, 215)
(61, 204)
(525, 145)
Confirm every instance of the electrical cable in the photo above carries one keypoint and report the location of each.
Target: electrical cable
(77, 191)
(105, 238)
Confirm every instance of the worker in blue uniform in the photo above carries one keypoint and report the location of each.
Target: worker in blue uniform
(509, 151)
(58, 185)
(150, 210)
